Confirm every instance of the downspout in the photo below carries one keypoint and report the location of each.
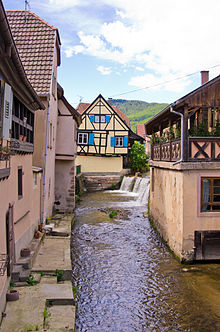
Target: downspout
(45, 164)
(178, 113)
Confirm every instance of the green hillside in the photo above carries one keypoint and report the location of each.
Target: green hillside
(138, 111)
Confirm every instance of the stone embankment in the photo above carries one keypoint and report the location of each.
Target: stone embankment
(46, 300)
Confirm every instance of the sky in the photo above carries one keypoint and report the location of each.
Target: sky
(119, 47)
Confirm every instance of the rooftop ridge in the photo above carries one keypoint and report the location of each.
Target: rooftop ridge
(36, 16)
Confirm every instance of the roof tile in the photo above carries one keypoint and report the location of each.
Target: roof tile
(35, 41)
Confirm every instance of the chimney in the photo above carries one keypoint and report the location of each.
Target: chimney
(110, 101)
(204, 76)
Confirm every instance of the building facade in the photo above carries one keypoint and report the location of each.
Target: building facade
(185, 173)
(41, 59)
(19, 182)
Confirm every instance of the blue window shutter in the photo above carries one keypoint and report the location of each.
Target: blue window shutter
(112, 141)
(91, 139)
(107, 118)
(92, 118)
(126, 141)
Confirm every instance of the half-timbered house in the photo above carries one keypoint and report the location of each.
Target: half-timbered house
(104, 138)
(185, 172)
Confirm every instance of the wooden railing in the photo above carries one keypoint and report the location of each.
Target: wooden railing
(195, 149)
(204, 149)
(170, 151)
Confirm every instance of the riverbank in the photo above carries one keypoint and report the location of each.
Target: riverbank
(46, 300)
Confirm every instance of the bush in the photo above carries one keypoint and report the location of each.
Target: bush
(138, 157)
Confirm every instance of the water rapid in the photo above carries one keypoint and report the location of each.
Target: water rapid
(126, 278)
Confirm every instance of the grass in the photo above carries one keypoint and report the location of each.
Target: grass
(59, 274)
(113, 214)
(31, 281)
(74, 288)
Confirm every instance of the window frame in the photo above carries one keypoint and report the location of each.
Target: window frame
(121, 144)
(211, 201)
(20, 182)
(82, 140)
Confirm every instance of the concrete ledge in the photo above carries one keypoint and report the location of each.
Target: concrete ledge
(201, 165)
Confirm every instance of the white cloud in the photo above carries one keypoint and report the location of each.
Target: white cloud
(167, 38)
(104, 70)
(139, 68)
(167, 82)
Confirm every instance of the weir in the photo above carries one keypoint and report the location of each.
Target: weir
(137, 185)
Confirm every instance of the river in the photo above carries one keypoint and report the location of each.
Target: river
(127, 280)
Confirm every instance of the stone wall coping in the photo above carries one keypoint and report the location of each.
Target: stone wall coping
(185, 166)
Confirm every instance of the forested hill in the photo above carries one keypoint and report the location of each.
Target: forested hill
(138, 111)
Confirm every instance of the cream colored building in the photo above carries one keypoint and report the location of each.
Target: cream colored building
(104, 138)
(19, 182)
(185, 173)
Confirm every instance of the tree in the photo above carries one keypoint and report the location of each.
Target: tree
(138, 158)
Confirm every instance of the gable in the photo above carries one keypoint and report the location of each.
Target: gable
(101, 116)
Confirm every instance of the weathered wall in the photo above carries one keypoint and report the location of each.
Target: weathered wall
(175, 200)
(65, 186)
(26, 210)
(166, 205)
(194, 220)
(40, 143)
(100, 164)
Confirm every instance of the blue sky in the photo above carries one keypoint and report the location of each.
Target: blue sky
(115, 46)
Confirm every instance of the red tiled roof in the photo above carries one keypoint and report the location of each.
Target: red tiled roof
(141, 130)
(83, 106)
(122, 115)
(35, 41)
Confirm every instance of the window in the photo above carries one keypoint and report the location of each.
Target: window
(210, 194)
(22, 122)
(100, 118)
(97, 118)
(20, 187)
(34, 179)
(119, 141)
(82, 138)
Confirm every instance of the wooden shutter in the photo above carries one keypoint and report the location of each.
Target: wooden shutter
(112, 141)
(126, 141)
(91, 139)
(107, 118)
(92, 118)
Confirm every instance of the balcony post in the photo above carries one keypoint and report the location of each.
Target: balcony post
(185, 135)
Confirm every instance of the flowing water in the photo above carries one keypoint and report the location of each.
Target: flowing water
(127, 279)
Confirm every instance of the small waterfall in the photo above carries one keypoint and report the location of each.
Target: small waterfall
(137, 185)
(141, 188)
(127, 183)
(143, 191)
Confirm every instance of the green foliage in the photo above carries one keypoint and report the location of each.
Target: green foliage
(74, 288)
(199, 131)
(47, 221)
(113, 214)
(216, 131)
(31, 281)
(138, 157)
(12, 284)
(59, 274)
(138, 111)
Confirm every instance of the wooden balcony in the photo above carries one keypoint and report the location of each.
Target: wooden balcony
(195, 149)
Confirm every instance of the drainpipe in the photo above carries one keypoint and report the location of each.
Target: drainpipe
(175, 112)
(45, 164)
